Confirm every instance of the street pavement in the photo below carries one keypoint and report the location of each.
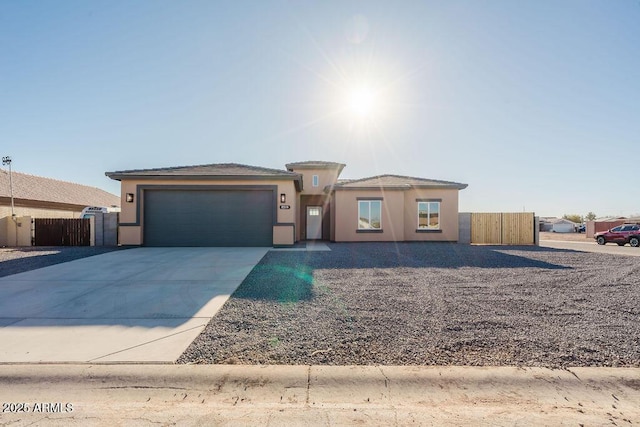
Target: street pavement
(591, 246)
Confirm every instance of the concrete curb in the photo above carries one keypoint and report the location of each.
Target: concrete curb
(322, 395)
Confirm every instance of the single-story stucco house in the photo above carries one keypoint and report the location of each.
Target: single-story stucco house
(41, 197)
(231, 204)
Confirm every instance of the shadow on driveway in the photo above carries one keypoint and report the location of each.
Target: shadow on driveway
(19, 260)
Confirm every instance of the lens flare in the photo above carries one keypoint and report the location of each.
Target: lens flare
(362, 102)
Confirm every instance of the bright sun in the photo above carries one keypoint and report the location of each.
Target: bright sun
(362, 102)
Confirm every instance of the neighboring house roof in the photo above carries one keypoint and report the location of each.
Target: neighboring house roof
(610, 219)
(211, 171)
(37, 188)
(548, 218)
(562, 221)
(315, 164)
(396, 182)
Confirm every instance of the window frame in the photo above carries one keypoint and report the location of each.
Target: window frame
(428, 203)
(315, 181)
(369, 201)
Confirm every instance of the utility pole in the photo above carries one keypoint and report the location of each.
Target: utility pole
(7, 161)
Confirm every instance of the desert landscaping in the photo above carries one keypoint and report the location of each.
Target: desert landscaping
(433, 304)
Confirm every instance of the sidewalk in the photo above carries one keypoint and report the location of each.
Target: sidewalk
(317, 395)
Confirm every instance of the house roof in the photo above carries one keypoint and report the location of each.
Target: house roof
(562, 221)
(210, 171)
(216, 169)
(610, 218)
(37, 188)
(396, 182)
(315, 164)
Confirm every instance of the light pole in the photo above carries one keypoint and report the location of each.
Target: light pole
(7, 161)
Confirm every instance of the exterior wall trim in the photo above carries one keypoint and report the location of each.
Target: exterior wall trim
(297, 179)
(428, 200)
(40, 204)
(338, 188)
(369, 198)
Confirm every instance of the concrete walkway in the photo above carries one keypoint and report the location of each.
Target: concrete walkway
(310, 246)
(135, 305)
(68, 395)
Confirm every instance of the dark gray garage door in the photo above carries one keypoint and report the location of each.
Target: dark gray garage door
(208, 218)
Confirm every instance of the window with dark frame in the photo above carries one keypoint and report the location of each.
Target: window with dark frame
(369, 215)
(429, 215)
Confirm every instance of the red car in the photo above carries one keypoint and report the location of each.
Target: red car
(622, 234)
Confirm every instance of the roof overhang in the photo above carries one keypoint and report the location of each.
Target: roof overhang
(316, 166)
(400, 187)
(118, 176)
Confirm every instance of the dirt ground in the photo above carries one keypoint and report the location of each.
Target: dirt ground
(569, 237)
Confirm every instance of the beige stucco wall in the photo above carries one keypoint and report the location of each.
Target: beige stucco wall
(399, 215)
(325, 177)
(15, 231)
(133, 235)
(346, 219)
(448, 215)
(38, 212)
(283, 235)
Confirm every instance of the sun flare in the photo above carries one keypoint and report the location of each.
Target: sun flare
(362, 102)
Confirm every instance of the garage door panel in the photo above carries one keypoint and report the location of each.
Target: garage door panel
(208, 218)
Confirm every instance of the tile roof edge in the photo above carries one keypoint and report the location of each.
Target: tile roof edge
(58, 180)
(173, 168)
(452, 183)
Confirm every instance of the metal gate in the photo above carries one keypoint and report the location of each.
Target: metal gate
(62, 232)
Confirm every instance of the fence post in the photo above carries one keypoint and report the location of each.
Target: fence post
(464, 227)
(92, 233)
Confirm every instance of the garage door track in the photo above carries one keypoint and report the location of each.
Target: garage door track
(136, 305)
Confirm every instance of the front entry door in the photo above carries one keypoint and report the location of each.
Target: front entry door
(314, 222)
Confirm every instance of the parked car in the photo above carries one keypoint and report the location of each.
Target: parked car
(622, 234)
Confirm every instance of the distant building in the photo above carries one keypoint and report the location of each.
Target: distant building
(563, 226)
(606, 223)
(40, 197)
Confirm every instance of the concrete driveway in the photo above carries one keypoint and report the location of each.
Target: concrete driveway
(136, 305)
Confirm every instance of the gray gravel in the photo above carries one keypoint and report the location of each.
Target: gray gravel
(19, 260)
(430, 304)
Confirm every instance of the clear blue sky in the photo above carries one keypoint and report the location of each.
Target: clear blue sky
(534, 104)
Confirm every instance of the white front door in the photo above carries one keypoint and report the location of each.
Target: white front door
(314, 222)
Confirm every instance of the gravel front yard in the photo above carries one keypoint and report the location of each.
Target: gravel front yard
(430, 304)
(19, 260)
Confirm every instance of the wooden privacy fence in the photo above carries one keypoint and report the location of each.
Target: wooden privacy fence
(62, 232)
(503, 228)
